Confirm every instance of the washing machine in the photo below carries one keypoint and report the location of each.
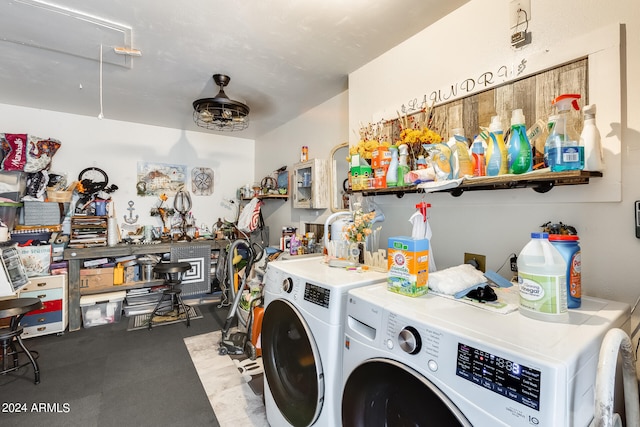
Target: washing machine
(436, 361)
(302, 335)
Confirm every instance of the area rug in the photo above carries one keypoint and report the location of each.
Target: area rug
(141, 321)
(226, 382)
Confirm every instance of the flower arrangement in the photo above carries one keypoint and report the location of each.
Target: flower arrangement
(371, 136)
(415, 130)
(358, 230)
(163, 212)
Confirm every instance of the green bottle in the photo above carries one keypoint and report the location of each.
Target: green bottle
(519, 152)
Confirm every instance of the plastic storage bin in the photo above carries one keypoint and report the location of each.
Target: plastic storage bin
(101, 309)
(8, 213)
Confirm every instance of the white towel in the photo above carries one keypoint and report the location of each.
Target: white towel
(455, 279)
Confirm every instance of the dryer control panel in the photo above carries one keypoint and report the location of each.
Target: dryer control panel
(317, 294)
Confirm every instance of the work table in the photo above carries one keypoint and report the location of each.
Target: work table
(75, 257)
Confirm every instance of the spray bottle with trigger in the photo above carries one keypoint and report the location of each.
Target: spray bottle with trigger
(403, 166)
(422, 230)
(561, 149)
(392, 170)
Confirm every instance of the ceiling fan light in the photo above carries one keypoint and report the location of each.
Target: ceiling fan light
(221, 113)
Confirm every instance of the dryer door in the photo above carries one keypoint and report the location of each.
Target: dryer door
(292, 365)
(383, 392)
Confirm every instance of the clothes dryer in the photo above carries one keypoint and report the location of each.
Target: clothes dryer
(302, 332)
(436, 361)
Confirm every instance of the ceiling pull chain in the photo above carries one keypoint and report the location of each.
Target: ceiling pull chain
(101, 116)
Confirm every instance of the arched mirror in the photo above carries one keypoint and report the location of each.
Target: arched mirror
(339, 177)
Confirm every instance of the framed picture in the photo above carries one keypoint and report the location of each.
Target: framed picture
(283, 182)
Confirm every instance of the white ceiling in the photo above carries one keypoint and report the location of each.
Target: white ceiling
(283, 56)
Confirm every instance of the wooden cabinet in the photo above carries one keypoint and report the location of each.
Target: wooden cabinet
(310, 184)
(52, 317)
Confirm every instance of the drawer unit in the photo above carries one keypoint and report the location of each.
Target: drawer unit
(52, 317)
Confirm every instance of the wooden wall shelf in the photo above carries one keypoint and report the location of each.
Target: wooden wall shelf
(540, 182)
(269, 197)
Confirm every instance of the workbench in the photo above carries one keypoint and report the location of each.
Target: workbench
(76, 256)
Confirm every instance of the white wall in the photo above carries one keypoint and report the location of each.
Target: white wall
(117, 147)
(475, 38)
(321, 129)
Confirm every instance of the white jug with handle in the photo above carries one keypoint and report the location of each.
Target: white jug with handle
(336, 245)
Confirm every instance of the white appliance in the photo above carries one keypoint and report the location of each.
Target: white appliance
(301, 337)
(439, 361)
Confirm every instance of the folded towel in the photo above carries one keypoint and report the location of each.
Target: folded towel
(455, 279)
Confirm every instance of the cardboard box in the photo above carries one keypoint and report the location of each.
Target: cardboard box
(408, 265)
(96, 278)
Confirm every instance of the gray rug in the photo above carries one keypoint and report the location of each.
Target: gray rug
(226, 382)
(141, 321)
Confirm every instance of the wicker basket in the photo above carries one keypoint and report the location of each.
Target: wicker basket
(59, 195)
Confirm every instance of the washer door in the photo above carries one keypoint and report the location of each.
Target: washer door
(292, 365)
(383, 392)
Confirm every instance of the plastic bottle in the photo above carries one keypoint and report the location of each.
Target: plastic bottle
(293, 245)
(460, 161)
(542, 276)
(569, 248)
(392, 170)
(548, 141)
(591, 142)
(477, 155)
(440, 158)
(496, 156)
(519, 152)
(538, 135)
(403, 166)
(563, 151)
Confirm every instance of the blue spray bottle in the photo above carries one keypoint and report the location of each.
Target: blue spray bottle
(562, 148)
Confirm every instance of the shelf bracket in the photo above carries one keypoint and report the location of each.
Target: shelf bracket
(543, 187)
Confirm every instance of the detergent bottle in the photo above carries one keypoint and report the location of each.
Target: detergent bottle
(477, 155)
(460, 161)
(519, 151)
(590, 141)
(392, 170)
(496, 156)
(403, 166)
(440, 159)
(562, 150)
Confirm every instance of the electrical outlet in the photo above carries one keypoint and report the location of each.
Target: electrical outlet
(513, 261)
(519, 13)
(481, 260)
